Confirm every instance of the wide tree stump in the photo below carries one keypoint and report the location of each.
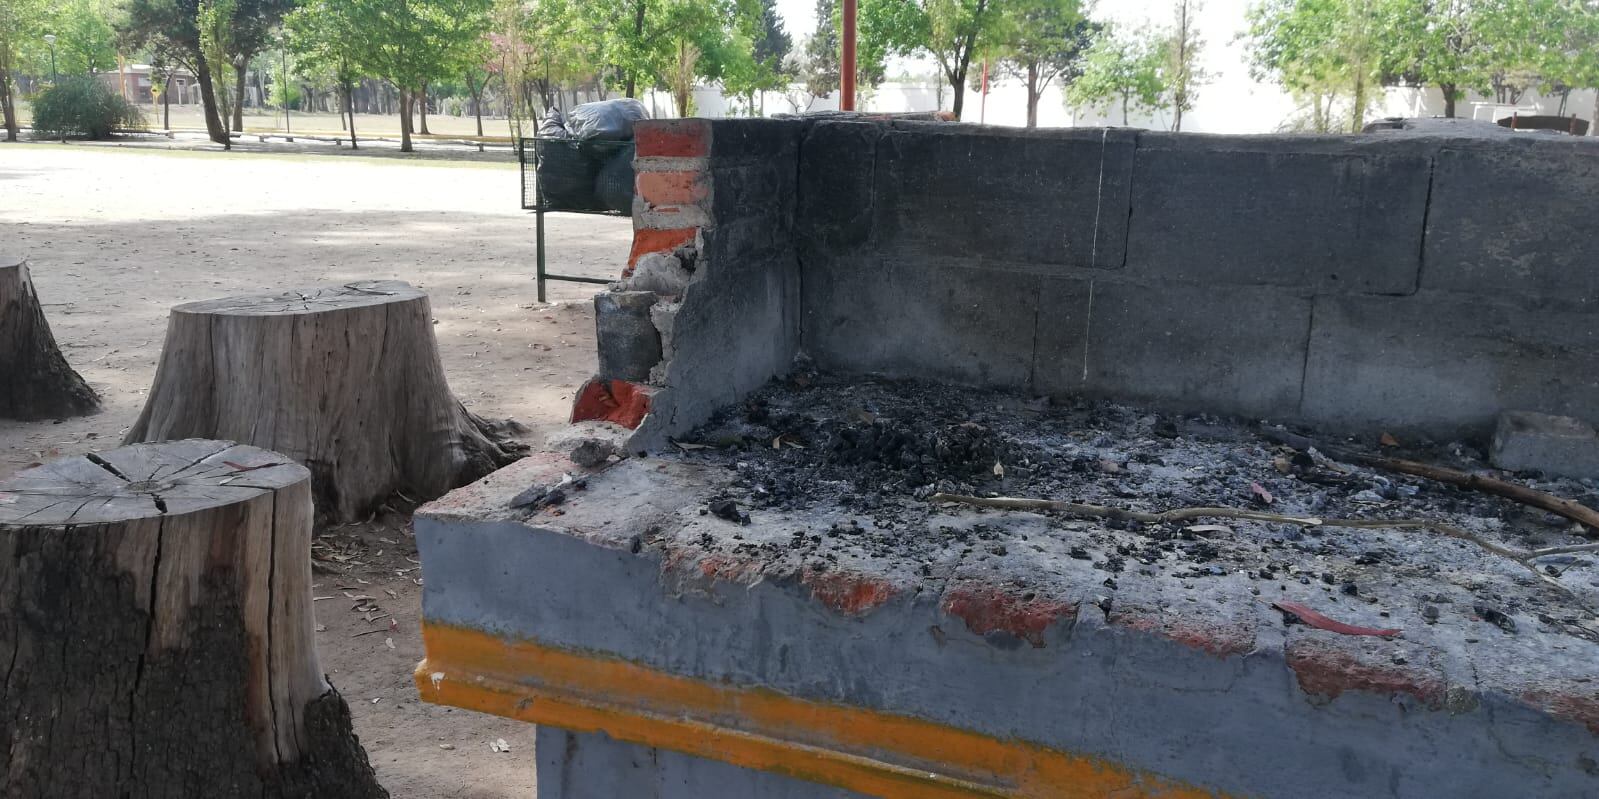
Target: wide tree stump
(345, 380)
(35, 380)
(155, 613)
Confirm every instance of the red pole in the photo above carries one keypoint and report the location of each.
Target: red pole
(846, 100)
(982, 104)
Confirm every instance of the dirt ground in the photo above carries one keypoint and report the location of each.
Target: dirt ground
(117, 235)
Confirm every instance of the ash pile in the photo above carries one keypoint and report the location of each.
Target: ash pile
(891, 458)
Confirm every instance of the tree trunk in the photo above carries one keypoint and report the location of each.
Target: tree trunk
(208, 100)
(38, 383)
(155, 610)
(8, 109)
(349, 104)
(405, 122)
(1032, 94)
(1449, 99)
(344, 379)
(957, 87)
(166, 103)
(477, 110)
(422, 110)
(238, 98)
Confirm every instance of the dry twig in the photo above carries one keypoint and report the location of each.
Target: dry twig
(1521, 557)
(1574, 511)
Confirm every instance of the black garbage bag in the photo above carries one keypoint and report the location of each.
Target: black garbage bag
(553, 126)
(606, 119)
(613, 186)
(566, 176)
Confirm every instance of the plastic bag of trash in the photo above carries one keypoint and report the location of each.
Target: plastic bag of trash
(553, 126)
(613, 186)
(566, 176)
(606, 119)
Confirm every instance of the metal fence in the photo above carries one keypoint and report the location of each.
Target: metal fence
(593, 176)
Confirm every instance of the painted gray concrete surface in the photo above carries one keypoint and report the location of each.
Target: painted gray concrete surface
(596, 766)
(1318, 279)
(1119, 687)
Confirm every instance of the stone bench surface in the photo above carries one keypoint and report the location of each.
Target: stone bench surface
(1024, 635)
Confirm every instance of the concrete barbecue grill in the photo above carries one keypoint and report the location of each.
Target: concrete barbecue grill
(841, 347)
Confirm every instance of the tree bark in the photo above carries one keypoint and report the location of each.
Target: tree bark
(1449, 99)
(1033, 93)
(214, 127)
(422, 110)
(8, 109)
(155, 610)
(344, 379)
(166, 103)
(238, 96)
(405, 121)
(37, 382)
(349, 104)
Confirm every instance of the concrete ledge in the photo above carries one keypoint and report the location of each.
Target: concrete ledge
(1013, 645)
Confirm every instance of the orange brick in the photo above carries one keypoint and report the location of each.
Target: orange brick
(672, 188)
(673, 138)
(618, 401)
(648, 240)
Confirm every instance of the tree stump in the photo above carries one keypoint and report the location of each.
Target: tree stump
(35, 380)
(155, 613)
(345, 380)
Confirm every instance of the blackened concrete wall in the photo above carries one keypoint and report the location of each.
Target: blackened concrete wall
(1354, 282)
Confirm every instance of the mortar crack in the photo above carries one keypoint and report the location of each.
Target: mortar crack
(1426, 217)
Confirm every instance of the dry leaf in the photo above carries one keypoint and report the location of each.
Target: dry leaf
(1321, 622)
(499, 745)
(689, 447)
(1208, 528)
(446, 747)
(389, 642)
(1388, 440)
(999, 469)
(1281, 464)
(1261, 493)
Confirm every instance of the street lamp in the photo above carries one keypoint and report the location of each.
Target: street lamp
(50, 39)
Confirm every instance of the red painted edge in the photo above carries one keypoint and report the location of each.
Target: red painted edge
(986, 609)
(620, 401)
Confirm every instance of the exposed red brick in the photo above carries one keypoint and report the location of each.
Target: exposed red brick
(619, 401)
(986, 609)
(1582, 709)
(648, 240)
(673, 138)
(1222, 641)
(672, 188)
(849, 593)
(1327, 671)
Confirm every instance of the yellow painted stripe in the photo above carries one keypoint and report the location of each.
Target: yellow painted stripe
(874, 753)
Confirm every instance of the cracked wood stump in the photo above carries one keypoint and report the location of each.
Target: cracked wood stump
(345, 380)
(35, 380)
(155, 613)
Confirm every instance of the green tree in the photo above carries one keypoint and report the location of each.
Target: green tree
(409, 43)
(955, 32)
(1044, 41)
(85, 40)
(762, 66)
(173, 27)
(884, 28)
(1122, 69)
(322, 35)
(821, 52)
(1182, 75)
(21, 25)
(1324, 51)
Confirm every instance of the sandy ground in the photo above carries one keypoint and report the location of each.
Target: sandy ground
(190, 116)
(117, 235)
